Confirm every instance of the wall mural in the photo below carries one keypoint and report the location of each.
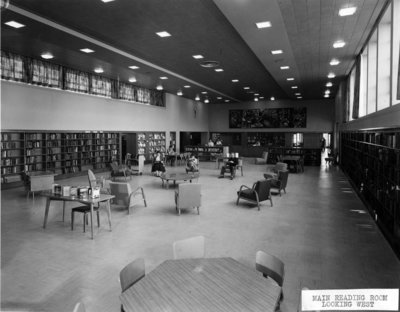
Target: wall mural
(268, 118)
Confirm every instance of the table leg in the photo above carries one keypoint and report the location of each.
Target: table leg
(109, 212)
(46, 213)
(91, 219)
(64, 210)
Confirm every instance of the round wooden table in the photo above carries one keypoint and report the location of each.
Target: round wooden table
(166, 177)
(203, 284)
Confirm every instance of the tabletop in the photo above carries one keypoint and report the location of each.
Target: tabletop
(84, 200)
(179, 176)
(205, 284)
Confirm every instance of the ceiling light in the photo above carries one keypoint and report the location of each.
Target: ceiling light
(204, 92)
(159, 87)
(219, 97)
(197, 98)
(298, 93)
(226, 101)
(265, 24)
(133, 67)
(327, 91)
(47, 56)
(235, 80)
(206, 101)
(347, 11)
(163, 34)
(334, 62)
(163, 78)
(329, 84)
(290, 79)
(284, 67)
(339, 44)
(326, 95)
(98, 70)
(187, 86)
(246, 88)
(219, 70)
(256, 99)
(331, 75)
(276, 52)
(299, 97)
(257, 94)
(261, 97)
(198, 56)
(179, 93)
(105, 1)
(132, 79)
(272, 98)
(14, 24)
(294, 87)
(87, 50)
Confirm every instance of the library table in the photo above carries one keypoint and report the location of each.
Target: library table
(83, 200)
(178, 177)
(203, 284)
(292, 160)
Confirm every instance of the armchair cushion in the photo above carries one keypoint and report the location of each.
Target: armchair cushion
(258, 193)
(188, 195)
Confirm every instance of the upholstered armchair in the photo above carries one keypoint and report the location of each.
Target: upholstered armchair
(263, 159)
(125, 196)
(188, 195)
(260, 191)
(280, 182)
(272, 171)
(118, 171)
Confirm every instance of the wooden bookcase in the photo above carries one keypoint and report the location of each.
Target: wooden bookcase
(371, 159)
(59, 152)
(148, 143)
(312, 156)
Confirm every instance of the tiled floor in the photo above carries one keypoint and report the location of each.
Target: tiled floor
(319, 229)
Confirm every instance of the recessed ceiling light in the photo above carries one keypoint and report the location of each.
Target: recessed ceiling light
(347, 11)
(134, 67)
(197, 98)
(132, 79)
(284, 67)
(255, 99)
(327, 91)
(98, 70)
(187, 86)
(329, 84)
(179, 93)
(299, 97)
(294, 87)
(276, 52)
(246, 88)
(297, 93)
(334, 62)
(235, 80)
(14, 24)
(163, 78)
(261, 97)
(105, 1)
(339, 44)
(331, 75)
(219, 70)
(159, 87)
(272, 98)
(290, 79)
(226, 101)
(87, 50)
(219, 97)
(163, 34)
(257, 94)
(326, 95)
(198, 56)
(206, 101)
(265, 24)
(204, 92)
(47, 56)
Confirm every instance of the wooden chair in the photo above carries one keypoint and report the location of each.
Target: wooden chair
(263, 160)
(85, 210)
(79, 307)
(271, 267)
(258, 193)
(189, 248)
(132, 273)
(188, 195)
(125, 196)
(118, 171)
(281, 181)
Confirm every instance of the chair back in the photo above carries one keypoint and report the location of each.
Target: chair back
(283, 177)
(114, 166)
(280, 166)
(189, 248)
(121, 191)
(270, 266)
(132, 273)
(263, 188)
(79, 307)
(264, 155)
(92, 179)
(189, 195)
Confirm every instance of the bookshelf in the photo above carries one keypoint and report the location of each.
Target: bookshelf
(62, 153)
(311, 156)
(371, 159)
(150, 142)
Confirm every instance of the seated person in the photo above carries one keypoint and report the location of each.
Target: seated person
(210, 143)
(158, 166)
(192, 164)
(231, 165)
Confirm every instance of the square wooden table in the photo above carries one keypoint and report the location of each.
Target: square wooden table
(204, 284)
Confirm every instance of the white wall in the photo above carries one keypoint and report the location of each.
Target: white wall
(320, 115)
(28, 107)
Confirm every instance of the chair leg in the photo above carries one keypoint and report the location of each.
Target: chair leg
(72, 220)
(84, 222)
(98, 218)
(198, 210)
(144, 198)
(237, 201)
(270, 198)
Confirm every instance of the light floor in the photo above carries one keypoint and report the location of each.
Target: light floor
(318, 229)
